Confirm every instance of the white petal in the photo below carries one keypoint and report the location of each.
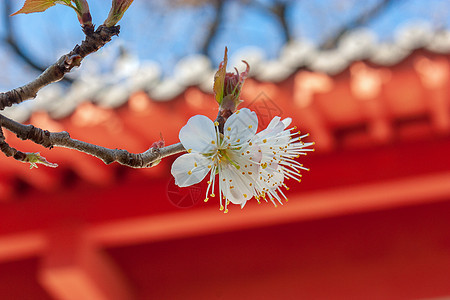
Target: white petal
(287, 122)
(274, 122)
(275, 127)
(241, 191)
(199, 134)
(240, 126)
(189, 169)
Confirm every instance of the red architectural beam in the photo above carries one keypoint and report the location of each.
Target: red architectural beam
(73, 268)
(312, 205)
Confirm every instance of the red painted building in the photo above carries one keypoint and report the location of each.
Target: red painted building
(371, 220)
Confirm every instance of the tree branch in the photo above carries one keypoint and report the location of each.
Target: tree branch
(359, 21)
(8, 150)
(48, 139)
(12, 42)
(214, 26)
(93, 41)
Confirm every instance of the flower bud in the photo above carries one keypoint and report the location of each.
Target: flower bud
(117, 11)
(227, 88)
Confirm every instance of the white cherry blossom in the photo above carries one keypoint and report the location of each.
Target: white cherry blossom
(231, 155)
(248, 164)
(279, 147)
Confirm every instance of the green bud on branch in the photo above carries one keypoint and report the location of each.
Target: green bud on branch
(118, 9)
(35, 158)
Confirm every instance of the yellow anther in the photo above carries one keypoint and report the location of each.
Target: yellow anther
(238, 140)
(190, 172)
(245, 195)
(206, 199)
(195, 164)
(209, 166)
(237, 112)
(228, 202)
(225, 211)
(212, 195)
(216, 123)
(189, 150)
(264, 165)
(250, 143)
(213, 142)
(250, 126)
(249, 173)
(229, 128)
(221, 207)
(264, 140)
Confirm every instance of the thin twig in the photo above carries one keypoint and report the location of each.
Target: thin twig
(214, 26)
(8, 150)
(12, 42)
(94, 41)
(365, 17)
(62, 139)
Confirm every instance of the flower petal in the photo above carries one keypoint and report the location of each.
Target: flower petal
(287, 122)
(199, 135)
(189, 169)
(275, 127)
(235, 187)
(240, 126)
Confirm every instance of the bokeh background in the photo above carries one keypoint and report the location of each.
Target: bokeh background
(369, 80)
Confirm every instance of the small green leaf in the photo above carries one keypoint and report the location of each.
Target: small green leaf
(31, 6)
(219, 78)
(118, 9)
(35, 158)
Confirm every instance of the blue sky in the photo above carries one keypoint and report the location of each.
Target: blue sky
(153, 31)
